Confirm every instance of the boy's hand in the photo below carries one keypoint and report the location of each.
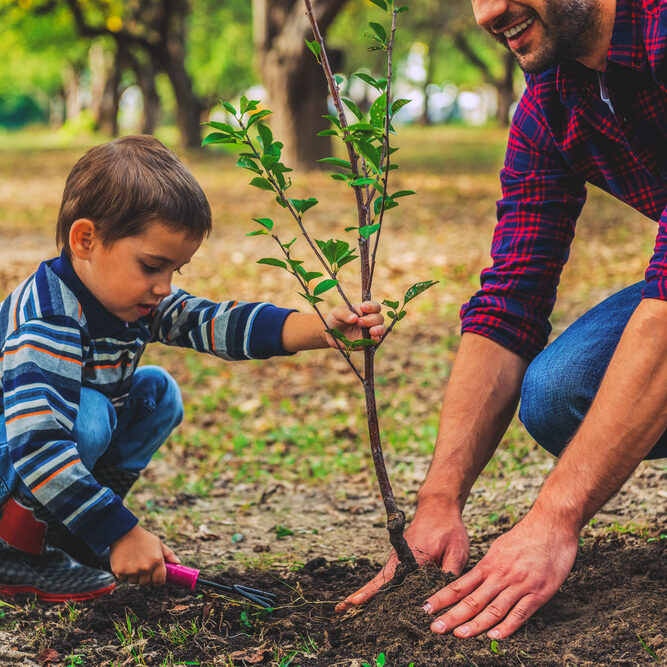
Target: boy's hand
(138, 558)
(351, 325)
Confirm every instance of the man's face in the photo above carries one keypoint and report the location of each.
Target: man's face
(132, 275)
(541, 33)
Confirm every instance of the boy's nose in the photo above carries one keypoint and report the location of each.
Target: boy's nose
(162, 288)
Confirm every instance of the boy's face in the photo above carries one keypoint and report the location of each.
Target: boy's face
(131, 276)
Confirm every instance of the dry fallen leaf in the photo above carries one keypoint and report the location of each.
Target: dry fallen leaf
(48, 655)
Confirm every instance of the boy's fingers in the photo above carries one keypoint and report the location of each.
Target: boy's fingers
(159, 575)
(371, 307)
(169, 555)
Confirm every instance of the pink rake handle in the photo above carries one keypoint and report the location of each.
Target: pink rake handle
(182, 576)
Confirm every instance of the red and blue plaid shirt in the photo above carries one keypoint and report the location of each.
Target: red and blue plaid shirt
(564, 135)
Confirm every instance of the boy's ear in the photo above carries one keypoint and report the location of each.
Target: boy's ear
(82, 237)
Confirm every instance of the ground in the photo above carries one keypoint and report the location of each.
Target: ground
(268, 481)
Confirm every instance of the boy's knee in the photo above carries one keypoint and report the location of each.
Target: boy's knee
(94, 425)
(167, 393)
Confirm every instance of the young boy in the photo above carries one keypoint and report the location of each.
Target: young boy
(79, 420)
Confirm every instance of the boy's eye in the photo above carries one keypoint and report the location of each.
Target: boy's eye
(147, 268)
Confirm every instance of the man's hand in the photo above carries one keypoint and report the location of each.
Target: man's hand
(521, 571)
(435, 535)
(138, 558)
(351, 325)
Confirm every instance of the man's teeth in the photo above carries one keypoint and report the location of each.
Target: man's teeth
(518, 28)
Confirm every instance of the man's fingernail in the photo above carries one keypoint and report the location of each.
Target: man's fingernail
(427, 608)
(494, 634)
(465, 631)
(438, 626)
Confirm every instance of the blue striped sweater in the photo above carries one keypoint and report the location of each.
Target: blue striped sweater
(55, 338)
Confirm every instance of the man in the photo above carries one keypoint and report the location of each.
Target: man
(595, 109)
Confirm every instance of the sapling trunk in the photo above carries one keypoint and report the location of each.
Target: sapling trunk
(366, 172)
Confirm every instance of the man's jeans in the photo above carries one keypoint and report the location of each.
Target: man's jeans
(562, 381)
(126, 440)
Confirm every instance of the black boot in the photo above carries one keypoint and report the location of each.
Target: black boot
(29, 565)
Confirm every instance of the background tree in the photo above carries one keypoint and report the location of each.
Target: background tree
(296, 90)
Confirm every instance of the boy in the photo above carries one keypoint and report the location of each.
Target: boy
(79, 421)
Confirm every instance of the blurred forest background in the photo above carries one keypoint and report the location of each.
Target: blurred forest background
(162, 66)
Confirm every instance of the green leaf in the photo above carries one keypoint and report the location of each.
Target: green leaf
(302, 205)
(391, 304)
(324, 286)
(361, 127)
(380, 3)
(265, 222)
(312, 300)
(311, 275)
(247, 163)
(327, 133)
(222, 127)
(417, 289)
(257, 232)
(268, 161)
(347, 259)
(401, 315)
(265, 136)
(370, 152)
(368, 230)
(340, 177)
(229, 108)
(402, 9)
(339, 335)
(261, 183)
(287, 246)
(352, 107)
(338, 79)
(296, 264)
(217, 138)
(337, 161)
(315, 47)
(379, 30)
(363, 342)
(378, 110)
(272, 261)
(380, 661)
(363, 181)
(282, 532)
(399, 104)
(403, 193)
(367, 78)
(382, 83)
(349, 229)
(257, 116)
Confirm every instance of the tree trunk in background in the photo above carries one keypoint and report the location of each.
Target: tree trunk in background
(71, 87)
(505, 90)
(293, 79)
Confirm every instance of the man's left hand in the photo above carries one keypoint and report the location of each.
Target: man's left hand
(522, 570)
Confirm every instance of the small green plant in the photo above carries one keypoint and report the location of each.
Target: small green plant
(70, 612)
(379, 662)
(370, 159)
(496, 649)
(131, 635)
(75, 660)
(650, 652)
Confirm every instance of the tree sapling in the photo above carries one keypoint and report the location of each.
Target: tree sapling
(366, 172)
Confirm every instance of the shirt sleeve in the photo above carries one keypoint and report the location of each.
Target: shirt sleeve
(541, 201)
(41, 383)
(232, 330)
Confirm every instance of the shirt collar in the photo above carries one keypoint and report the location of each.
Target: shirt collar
(627, 44)
(99, 320)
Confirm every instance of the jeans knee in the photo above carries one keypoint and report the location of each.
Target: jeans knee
(167, 392)
(94, 426)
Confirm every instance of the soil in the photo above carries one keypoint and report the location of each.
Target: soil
(610, 610)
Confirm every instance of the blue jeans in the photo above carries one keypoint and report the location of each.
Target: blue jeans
(561, 382)
(128, 439)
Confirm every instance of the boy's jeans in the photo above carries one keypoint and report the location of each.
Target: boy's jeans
(562, 381)
(127, 440)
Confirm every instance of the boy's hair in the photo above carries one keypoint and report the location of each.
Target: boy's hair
(128, 183)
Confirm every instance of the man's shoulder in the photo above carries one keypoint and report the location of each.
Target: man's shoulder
(41, 297)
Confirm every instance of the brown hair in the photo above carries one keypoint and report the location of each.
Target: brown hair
(128, 183)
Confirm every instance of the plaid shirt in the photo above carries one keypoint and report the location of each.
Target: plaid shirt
(564, 135)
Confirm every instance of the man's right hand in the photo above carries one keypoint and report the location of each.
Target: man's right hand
(435, 535)
(138, 558)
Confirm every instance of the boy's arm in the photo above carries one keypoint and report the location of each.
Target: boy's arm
(41, 383)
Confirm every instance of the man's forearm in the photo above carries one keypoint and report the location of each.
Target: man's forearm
(482, 395)
(626, 419)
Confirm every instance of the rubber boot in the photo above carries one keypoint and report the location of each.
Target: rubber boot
(29, 565)
(58, 535)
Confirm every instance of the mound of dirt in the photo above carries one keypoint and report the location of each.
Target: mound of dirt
(610, 610)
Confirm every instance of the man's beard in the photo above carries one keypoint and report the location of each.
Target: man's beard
(570, 27)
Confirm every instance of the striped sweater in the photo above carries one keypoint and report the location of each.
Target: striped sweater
(55, 338)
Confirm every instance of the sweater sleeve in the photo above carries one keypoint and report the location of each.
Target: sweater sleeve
(232, 330)
(41, 382)
(541, 200)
